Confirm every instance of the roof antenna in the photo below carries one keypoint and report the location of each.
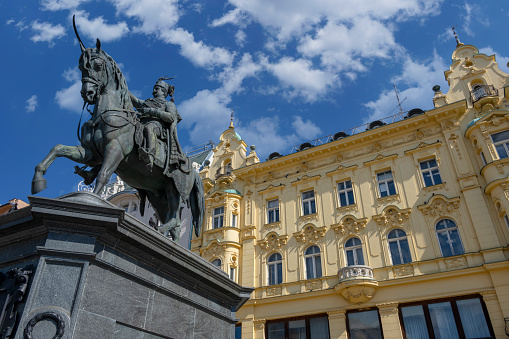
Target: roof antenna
(458, 42)
(397, 97)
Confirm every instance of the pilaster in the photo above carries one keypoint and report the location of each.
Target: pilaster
(495, 312)
(337, 324)
(259, 329)
(390, 320)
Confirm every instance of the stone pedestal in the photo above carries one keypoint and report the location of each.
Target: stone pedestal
(79, 267)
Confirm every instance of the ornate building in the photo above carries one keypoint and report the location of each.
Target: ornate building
(398, 229)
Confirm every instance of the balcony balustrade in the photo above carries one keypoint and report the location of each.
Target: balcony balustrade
(356, 283)
(482, 91)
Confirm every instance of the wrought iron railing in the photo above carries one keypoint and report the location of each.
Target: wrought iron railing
(200, 148)
(224, 170)
(355, 272)
(481, 91)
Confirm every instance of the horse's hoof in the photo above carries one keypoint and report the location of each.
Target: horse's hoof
(38, 185)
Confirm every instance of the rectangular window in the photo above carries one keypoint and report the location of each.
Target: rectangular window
(234, 220)
(272, 211)
(464, 317)
(506, 219)
(218, 217)
(483, 158)
(310, 327)
(385, 184)
(232, 273)
(364, 324)
(430, 172)
(501, 143)
(308, 203)
(345, 192)
(238, 331)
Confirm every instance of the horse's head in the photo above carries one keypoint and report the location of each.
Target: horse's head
(93, 66)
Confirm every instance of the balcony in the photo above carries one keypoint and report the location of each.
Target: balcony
(223, 171)
(356, 283)
(483, 94)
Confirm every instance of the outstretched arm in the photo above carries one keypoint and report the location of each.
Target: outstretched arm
(137, 103)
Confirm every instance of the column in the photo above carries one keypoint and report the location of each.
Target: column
(495, 312)
(390, 320)
(259, 329)
(337, 324)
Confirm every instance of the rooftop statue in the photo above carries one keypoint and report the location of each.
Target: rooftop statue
(141, 147)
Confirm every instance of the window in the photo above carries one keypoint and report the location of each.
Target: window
(272, 211)
(310, 327)
(464, 317)
(506, 219)
(217, 263)
(134, 207)
(228, 168)
(313, 262)
(238, 331)
(398, 247)
(430, 173)
(483, 158)
(234, 220)
(232, 273)
(353, 250)
(126, 207)
(308, 202)
(501, 143)
(385, 184)
(218, 217)
(363, 324)
(275, 269)
(449, 238)
(345, 192)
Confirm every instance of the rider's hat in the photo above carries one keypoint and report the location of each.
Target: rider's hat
(169, 89)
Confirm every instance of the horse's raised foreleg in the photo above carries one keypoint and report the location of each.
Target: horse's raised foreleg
(113, 155)
(75, 153)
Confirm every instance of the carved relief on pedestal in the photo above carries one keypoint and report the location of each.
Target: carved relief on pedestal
(273, 291)
(312, 285)
(350, 225)
(403, 270)
(439, 205)
(273, 241)
(455, 263)
(310, 233)
(392, 216)
(13, 286)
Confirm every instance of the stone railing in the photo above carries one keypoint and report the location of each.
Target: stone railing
(355, 272)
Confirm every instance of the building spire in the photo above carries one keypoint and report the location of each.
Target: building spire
(231, 120)
(458, 42)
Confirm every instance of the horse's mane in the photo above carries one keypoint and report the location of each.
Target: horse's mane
(125, 97)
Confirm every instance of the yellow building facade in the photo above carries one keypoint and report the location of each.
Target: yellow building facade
(399, 230)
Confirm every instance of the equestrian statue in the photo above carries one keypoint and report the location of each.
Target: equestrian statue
(139, 146)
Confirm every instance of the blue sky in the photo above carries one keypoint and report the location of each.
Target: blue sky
(291, 70)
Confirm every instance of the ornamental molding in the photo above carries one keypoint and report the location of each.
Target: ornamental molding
(342, 169)
(456, 263)
(439, 205)
(310, 233)
(340, 314)
(271, 226)
(213, 249)
(216, 233)
(271, 188)
(380, 158)
(350, 225)
(306, 179)
(389, 199)
(489, 295)
(422, 146)
(493, 119)
(248, 232)
(273, 291)
(308, 218)
(387, 308)
(403, 270)
(273, 241)
(429, 189)
(313, 285)
(259, 324)
(347, 208)
(392, 216)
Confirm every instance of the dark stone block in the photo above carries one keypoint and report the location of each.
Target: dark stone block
(94, 326)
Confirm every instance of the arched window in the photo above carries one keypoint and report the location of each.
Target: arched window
(217, 263)
(313, 262)
(398, 246)
(353, 250)
(275, 269)
(228, 168)
(449, 238)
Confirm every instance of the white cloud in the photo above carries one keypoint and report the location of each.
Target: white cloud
(58, 5)
(10, 21)
(414, 84)
(473, 14)
(301, 78)
(501, 60)
(31, 103)
(21, 26)
(240, 38)
(98, 28)
(307, 130)
(70, 98)
(232, 77)
(46, 32)
(198, 53)
(236, 17)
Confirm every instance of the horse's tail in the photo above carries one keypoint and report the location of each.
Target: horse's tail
(197, 204)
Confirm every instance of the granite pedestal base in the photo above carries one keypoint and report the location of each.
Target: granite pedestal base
(79, 267)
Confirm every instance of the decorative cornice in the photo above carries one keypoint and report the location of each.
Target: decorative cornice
(306, 179)
(392, 216)
(273, 241)
(271, 188)
(439, 205)
(422, 146)
(310, 233)
(214, 248)
(349, 225)
(380, 158)
(342, 169)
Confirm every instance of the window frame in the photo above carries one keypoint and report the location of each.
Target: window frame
(235, 219)
(277, 264)
(504, 142)
(398, 240)
(346, 192)
(307, 322)
(430, 171)
(276, 211)
(347, 320)
(448, 231)
(385, 182)
(220, 266)
(455, 310)
(315, 257)
(311, 202)
(354, 249)
(219, 217)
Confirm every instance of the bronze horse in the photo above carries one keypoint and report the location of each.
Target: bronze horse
(108, 145)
